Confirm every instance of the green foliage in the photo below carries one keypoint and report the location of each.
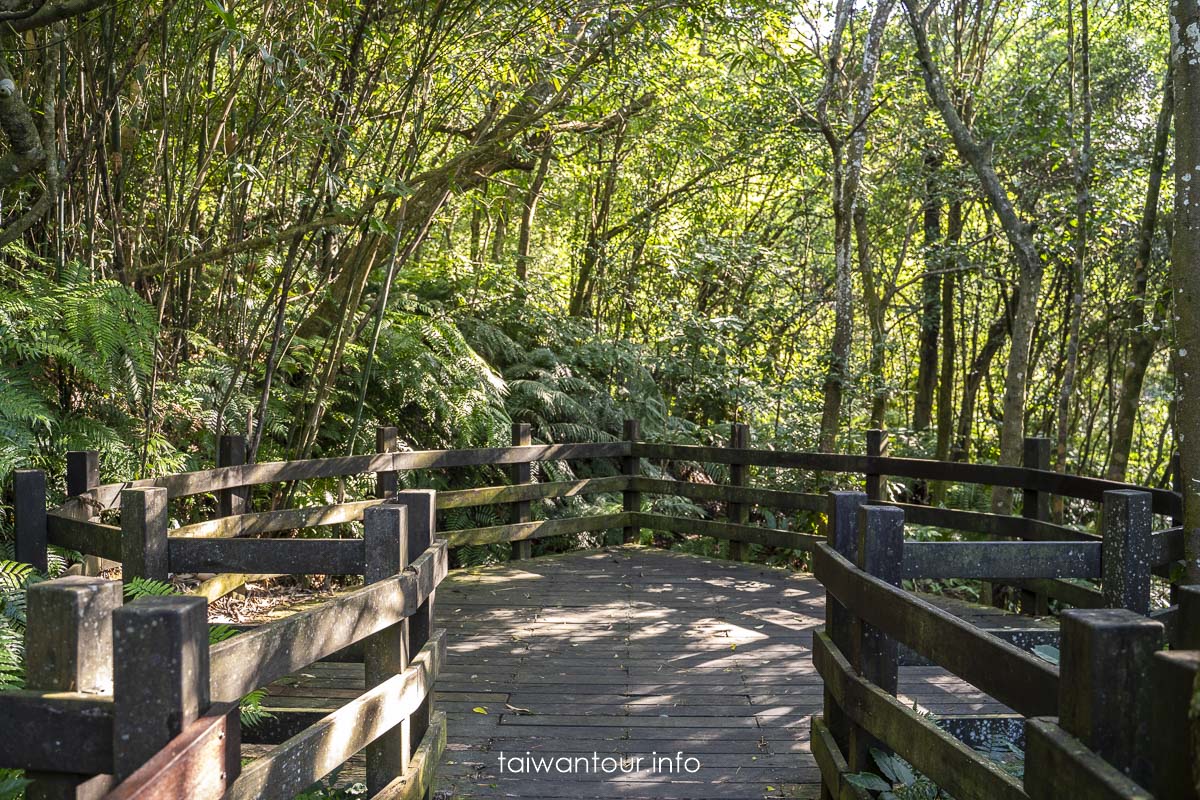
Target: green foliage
(897, 780)
(15, 578)
(75, 355)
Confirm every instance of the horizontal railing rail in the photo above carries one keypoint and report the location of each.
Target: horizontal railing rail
(136, 703)
(1110, 721)
(146, 547)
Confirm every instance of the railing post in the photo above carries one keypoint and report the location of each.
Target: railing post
(877, 446)
(144, 534)
(1035, 505)
(739, 513)
(69, 649)
(422, 530)
(385, 535)
(1175, 680)
(631, 466)
(386, 482)
(29, 517)
(522, 473)
(231, 452)
(83, 475)
(1105, 685)
(1126, 550)
(160, 675)
(880, 552)
(841, 533)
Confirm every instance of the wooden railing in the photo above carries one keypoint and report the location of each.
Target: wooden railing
(131, 700)
(1110, 722)
(1046, 561)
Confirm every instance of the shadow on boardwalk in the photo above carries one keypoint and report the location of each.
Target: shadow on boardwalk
(636, 652)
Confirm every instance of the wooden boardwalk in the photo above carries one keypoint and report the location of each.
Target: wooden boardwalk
(630, 652)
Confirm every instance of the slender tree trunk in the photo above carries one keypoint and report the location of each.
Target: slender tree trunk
(525, 237)
(980, 366)
(945, 393)
(848, 163)
(1185, 265)
(875, 317)
(927, 349)
(1078, 277)
(1019, 233)
(1143, 338)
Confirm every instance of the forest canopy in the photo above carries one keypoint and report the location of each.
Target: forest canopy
(300, 220)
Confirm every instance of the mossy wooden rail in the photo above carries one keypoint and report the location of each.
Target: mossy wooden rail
(131, 700)
(861, 561)
(1111, 722)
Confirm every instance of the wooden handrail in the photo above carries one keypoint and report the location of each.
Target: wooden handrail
(269, 652)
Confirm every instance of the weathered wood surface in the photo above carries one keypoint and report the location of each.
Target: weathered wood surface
(629, 651)
(269, 556)
(1058, 765)
(1164, 501)
(253, 659)
(184, 768)
(952, 765)
(318, 750)
(727, 530)
(340, 513)
(36, 723)
(108, 496)
(92, 538)
(1012, 675)
(1001, 560)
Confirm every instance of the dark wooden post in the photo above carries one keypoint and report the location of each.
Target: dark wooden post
(231, 452)
(880, 552)
(1126, 551)
(422, 530)
(69, 649)
(1175, 745)
(385, 534)
(1035, 505)
(1187, 629)
(522, 473)
(877, 445)
(739, 513)
(144, 534)
(29, 517)
(1176, 677)
(83, 475)
(83, 471)
(160, 675)
(631, 466)
(1105, 685)
(842, 535)
(386, 482)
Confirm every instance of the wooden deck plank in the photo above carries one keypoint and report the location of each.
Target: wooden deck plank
(630, 651)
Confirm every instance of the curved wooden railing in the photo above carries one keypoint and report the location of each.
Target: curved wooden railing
(134, 701)
(1111, 722)
(1048, 560)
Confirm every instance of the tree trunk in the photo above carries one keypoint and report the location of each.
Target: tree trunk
(1185, 265)
(875, 318)
(997, 332)
(945, 393)
(848, 159)
(525, 237)
(927, 349)
(1078, 277)
(1143, 338)
(1019, 234)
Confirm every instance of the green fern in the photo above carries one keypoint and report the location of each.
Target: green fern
(147, 587)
